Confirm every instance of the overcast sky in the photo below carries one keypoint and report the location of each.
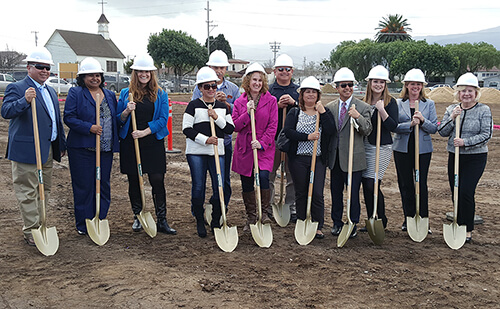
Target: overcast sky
(292, 23)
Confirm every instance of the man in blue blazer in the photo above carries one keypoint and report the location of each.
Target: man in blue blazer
(20, 148)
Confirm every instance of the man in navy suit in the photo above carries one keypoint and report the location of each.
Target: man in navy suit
(20, 148)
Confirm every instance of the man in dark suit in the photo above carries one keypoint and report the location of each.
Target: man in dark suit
(20, 149)
(343, 109)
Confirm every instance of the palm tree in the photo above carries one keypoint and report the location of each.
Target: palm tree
(393, 28)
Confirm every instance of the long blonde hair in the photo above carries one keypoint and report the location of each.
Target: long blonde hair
(405, 95)
(139, 92)
(386, 96)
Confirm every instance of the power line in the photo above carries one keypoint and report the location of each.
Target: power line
(275, 46)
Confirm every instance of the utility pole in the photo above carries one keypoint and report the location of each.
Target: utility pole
(275, 46)
(210, 27)
(36, 37)
(304, 66)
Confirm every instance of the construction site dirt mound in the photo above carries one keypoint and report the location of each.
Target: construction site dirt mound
(441, 95)
(489, 95)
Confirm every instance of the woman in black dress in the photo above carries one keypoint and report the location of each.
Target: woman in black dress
(150, 103)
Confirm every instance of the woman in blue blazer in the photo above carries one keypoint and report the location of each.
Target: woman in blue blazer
(80, 117)
(404, 142)
(150, 103)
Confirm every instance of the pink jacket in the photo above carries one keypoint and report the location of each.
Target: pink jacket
(266, 124)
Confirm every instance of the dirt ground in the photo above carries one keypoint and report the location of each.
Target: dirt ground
(133, 270)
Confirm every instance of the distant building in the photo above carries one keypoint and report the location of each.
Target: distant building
(72, 47)
(483, 75)
(237, 68)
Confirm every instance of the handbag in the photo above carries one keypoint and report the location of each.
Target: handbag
(283, 141)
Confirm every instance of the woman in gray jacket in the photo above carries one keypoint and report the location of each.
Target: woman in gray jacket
(404, 142)
(476, 128)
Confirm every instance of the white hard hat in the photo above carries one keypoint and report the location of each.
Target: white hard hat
(310, 83)
(143, 62)
(206, 74)
(378, 72)
(415, 75)
(90, 65)
(218, 58)
(41, 55)
(468, 79)
(283, 61)
(344, 75)
(254, 67)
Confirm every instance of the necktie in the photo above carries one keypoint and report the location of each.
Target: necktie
(343, 111)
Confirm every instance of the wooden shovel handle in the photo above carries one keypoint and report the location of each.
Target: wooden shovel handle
(457, 158)
(98, 144)
(256, 165)
(38, 155)
(137, 152)
(217, 167)
(417, 157)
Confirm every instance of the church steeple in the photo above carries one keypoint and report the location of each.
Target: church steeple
(103, 23)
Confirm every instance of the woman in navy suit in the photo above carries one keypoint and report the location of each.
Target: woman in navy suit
(80, 117)
(404, 142)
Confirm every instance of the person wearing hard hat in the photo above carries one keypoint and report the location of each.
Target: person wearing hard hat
(476, 130)
(257, 97)
(80, 117)
(227, 92)
(404, 142)
(300, 128)
(20, 148)
(345, 110)
(383, 104)
(200, 145)
(285, 92)
(150, 103)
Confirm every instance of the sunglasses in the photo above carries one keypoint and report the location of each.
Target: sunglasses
(284, 69)
(41, 66)
(347, 84)
(208, 86)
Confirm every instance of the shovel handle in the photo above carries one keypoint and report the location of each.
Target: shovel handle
(417, 163)
(256, 165)
(457, 158)
(282, 165)
(377, 165)
(217, 168)
(313, 168)
(98, 156)
(137, 153)
(349, 170)
(38, 156)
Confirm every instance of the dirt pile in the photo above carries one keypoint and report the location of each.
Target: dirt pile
(441, 95)
(328, 88)
(489, 95)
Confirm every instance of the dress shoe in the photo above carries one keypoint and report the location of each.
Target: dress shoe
(354, 232)
(163, 227)
(136, 226)
(81, 232)
(429, 232)
(336, 230)
(29, 240)
(363, 229)
(319, 235)
(403, 227)
(468, 239)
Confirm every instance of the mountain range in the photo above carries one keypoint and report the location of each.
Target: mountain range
(316, 52)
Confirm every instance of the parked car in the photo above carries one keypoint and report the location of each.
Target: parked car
(5, 79)
(186, 85)
(19, 75)
(60, 85)
(167, 85)
(111, 83)
(439, 86)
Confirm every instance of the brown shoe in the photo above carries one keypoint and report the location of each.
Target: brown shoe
(29, 240)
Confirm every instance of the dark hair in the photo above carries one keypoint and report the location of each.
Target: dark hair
(80, 80)
(301, 97)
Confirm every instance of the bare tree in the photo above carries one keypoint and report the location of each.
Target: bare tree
(9, 59)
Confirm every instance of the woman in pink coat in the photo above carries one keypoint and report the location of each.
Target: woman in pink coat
(256, 97)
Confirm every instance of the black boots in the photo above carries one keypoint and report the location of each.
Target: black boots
(161, 215)
(197, 207)
(136, 203)
(136, 226)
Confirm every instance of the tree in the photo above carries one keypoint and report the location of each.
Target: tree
(127, 65)
(393, 28)
(177, 50)
(9, 59)
(473, 57)
(220, 43)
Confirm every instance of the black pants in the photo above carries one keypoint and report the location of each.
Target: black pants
(405, 168)
(300, 169)
(471, 168)
(368, 186)
(158, 192)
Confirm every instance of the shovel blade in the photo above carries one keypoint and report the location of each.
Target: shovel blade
(418, 227)
(454, 235)
(376, 230)
(46, 240)
(345, 234)
(98, 230)
(226, 237)
(305, 231)
(281, 214)
(148, 223)
(262, 234)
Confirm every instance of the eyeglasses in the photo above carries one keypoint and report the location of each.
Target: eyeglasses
(208, 86)
(41, 66)
(284, 69)
(347, 84)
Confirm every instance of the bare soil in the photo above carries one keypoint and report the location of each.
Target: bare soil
(133, 270)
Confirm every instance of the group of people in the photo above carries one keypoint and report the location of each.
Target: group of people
(280, 107)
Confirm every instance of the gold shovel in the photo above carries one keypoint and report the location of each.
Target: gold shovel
(98, 229)
(281, 212)
(261, 233)
(226, 237)
(46, 239)
(305, 230)
(146, 219)
(418, 227)
(454, 234)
